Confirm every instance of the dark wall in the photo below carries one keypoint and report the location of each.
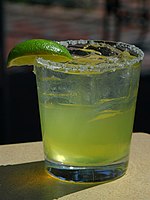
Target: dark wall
(142, 115)
(23, 119)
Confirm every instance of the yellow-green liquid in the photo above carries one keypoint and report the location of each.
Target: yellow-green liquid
(78, 136)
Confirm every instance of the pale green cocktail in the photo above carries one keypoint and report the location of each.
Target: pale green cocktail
(87, 108)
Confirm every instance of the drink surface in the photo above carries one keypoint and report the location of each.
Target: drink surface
(87, 105)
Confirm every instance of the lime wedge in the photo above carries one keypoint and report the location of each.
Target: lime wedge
(26, 52)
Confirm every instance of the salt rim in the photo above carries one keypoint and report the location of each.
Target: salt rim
(112, 64)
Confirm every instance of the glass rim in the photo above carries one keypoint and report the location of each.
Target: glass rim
(131, 47)
(101, 67)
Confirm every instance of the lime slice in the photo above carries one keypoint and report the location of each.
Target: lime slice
(26, 52)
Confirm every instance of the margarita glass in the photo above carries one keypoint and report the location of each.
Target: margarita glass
(87, 108)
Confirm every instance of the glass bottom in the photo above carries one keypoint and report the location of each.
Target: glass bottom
(86, 174)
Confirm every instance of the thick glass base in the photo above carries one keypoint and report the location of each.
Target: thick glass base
(87, 174)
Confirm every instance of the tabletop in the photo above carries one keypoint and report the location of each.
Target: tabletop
(22, 176)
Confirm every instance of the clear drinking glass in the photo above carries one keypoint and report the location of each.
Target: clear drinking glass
(87, 108)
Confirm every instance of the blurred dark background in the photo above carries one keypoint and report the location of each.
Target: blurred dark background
(124, 20)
